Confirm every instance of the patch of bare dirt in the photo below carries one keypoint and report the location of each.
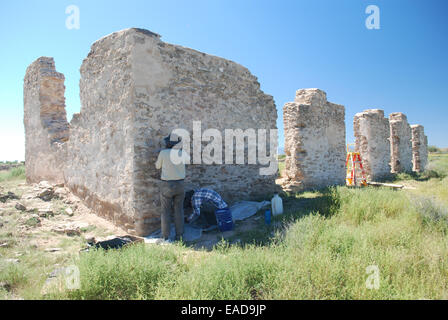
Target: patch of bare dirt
(45, 214)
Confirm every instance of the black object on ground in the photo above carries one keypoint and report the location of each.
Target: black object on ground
(8, 196)
(115, 243)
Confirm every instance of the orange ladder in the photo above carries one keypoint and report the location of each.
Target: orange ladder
(354, 167)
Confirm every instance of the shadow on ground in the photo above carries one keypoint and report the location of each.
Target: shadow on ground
(254, 230)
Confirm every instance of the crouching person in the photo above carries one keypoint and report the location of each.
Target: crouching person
(172, 162)
(201, 201)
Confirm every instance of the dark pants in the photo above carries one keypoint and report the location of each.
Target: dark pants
(208, 216)
(172, 196)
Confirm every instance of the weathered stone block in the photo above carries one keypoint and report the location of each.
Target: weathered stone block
(400, 143)
(371, 130)
(419, 148)
(45, 121)
(314, 141)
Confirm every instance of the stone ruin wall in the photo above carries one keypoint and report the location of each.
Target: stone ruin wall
(400, 143)
(190, 86)
(100, 152)
(372, 130)
(135, 89)
(45, 121)
(419, 148)
(314, 141)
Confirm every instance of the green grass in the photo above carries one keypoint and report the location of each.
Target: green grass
(319, 249)
(281, 163)
(281, 167)
(17, 173)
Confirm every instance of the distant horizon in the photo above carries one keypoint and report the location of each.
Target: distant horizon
(280, 153)
(287, 45)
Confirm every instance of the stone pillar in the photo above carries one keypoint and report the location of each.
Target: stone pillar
(400, 143)
(419, 148)
(45, 121)
(314, 141)
(371, 130)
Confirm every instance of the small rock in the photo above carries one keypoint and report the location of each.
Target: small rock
(69, 231)
(71, 200)
(8, 196)
(28, 196)
(44, 184)
(60, 192)
(14, 261)
(46, 194)
(53, 249)
(69, 212)
(45, 212)
(5, 285)
(20, 207)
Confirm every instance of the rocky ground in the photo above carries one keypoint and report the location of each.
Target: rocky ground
(50, 209)
(43, 227)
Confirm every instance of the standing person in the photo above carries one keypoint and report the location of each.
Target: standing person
(172, 162)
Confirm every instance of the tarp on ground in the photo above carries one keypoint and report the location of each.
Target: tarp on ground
(190, 234)
(240, 211)
(245, 209)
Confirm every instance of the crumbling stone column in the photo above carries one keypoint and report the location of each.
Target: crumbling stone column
(419, 148)
(400, 143)
(371, 130)
(45, 120)
(314, 141)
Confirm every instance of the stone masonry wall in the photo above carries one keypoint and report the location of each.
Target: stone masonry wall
(400, 143)
(100, 160)
(135, 89)
(314, 141)
(371, 130)
(175, 86)
(419, 148)
(45, 121)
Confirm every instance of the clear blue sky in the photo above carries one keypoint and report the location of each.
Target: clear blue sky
(288, 45)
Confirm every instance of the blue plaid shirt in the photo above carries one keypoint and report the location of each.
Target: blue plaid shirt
(203, 194)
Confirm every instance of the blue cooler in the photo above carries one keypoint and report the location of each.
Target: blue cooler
(224, 219)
